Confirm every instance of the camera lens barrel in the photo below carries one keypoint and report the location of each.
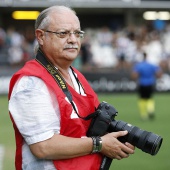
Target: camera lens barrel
(146, 141)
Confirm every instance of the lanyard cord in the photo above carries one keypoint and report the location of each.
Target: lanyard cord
(78, 82)
(41, 59)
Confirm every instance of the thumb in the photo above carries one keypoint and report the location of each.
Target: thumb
(120, 133)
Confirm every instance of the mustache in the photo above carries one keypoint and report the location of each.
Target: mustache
(71, 46)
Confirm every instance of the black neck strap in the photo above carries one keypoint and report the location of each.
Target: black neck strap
(54, 73)
(41, 59)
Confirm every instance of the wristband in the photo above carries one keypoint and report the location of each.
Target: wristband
(97, 144)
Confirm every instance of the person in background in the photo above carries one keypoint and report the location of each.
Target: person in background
(2, 38)
(48, 100)
(146, 74)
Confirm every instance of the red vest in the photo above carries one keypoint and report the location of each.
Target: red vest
(69, 127)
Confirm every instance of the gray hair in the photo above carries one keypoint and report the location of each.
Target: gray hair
(43, 20)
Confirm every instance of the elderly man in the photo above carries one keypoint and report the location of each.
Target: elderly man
(48, 100)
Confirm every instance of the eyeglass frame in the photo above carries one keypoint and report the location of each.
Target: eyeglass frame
(67, 33)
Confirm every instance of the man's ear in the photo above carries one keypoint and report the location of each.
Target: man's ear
(39, 35)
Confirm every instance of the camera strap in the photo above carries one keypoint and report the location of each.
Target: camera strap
(41, 59)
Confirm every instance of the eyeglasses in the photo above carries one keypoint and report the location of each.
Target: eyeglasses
(66, 34)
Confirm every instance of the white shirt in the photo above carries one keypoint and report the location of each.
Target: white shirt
(35, 111)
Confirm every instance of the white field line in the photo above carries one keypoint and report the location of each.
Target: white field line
(2, 153)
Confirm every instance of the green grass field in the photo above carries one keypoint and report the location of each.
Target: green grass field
(126, 104)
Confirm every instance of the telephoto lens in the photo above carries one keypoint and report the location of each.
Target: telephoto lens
(146, 141)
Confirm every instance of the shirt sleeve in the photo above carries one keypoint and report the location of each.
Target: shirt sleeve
(34, 109)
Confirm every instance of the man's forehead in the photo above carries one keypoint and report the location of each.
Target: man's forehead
(63, 14)
(65, 20)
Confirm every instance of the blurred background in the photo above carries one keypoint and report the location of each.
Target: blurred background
(116, 34)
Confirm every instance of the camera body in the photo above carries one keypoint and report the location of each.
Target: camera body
(104, 122)
(101, 122)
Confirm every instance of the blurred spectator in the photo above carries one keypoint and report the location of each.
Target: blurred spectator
(3, 49)
(105, 36)
(103, 53)
(121, 44)
(154, 48)
(159, 25)
(86, 54)
(2, 37)
(103, 57)
(15, 42)
(166, 50)
(132, 47)
(29, 44)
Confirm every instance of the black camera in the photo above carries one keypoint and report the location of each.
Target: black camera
(104, 121)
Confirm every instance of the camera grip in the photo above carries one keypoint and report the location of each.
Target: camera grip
(106, 162)
(99, 125)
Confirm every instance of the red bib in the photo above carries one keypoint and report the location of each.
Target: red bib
(71, 124)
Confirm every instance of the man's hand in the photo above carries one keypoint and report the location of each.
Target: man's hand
(113, 148)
